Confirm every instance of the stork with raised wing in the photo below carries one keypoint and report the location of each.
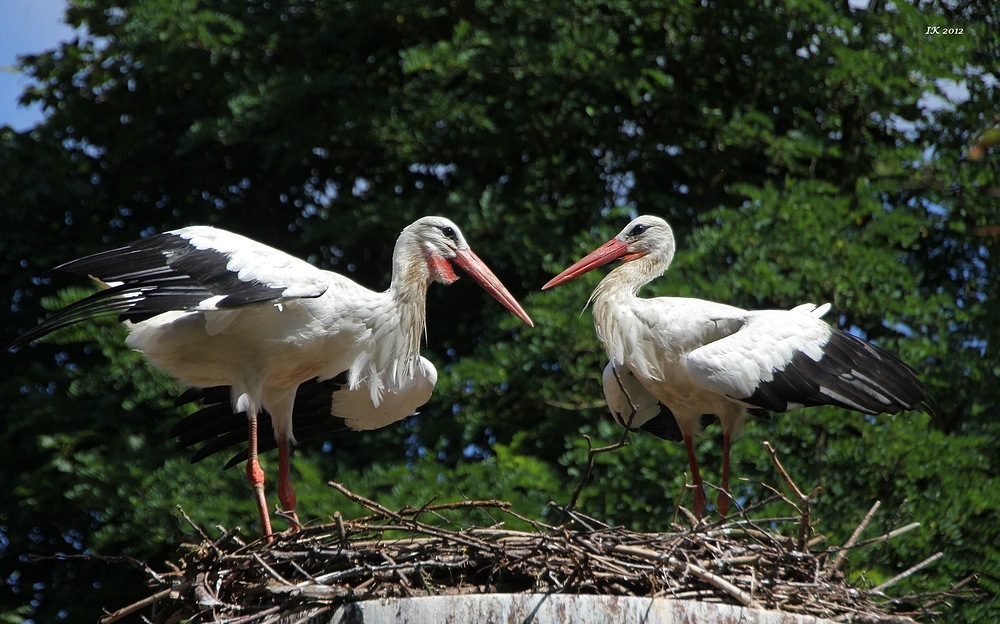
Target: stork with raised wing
(214, 308)
(697, 357)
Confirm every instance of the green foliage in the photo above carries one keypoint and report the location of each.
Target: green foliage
(789, 142)
(527, 483)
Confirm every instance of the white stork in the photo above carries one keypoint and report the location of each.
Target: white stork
(697, 357)
(213, 308)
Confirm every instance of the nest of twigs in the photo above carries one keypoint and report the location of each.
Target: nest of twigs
(412, 552)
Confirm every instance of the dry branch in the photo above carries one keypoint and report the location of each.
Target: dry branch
(923, 564)
(833, 565)
(804, 499)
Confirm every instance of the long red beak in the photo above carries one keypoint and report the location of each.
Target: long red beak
(477, 270)
(608, 252)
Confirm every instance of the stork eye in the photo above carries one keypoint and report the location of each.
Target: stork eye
(637, 230)
(449, 232)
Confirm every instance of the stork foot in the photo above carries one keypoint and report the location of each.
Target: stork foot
(265, 518)
(286, 493)
(256, 477)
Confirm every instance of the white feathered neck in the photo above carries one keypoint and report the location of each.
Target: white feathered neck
(393, 352)
(610, 297)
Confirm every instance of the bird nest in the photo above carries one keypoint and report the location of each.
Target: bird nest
(773, 563)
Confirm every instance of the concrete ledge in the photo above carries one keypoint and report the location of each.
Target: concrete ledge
(555, 609)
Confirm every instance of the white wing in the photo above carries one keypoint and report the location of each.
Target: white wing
(230, 262)
(765, 343)
(625, 394)
(355, 406)
(780, 360)
(191, 269)
(321, 409)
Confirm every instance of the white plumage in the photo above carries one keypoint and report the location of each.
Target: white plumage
(759, 345)
(214, 308)
(699, 358)
(356, 408)
(630, 403)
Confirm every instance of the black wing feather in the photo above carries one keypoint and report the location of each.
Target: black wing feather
(209, 396)
(218, 428)
(852, 374)
(663, 425)
(160, 273)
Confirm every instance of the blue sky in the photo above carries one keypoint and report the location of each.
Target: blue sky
(26, 27)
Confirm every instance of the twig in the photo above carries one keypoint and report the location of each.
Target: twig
(201, 532)
(744, 513)
(832, 566)
(364, 502)
(338, 519)
(288, 515)
(409, 511)
(372, 505)
(89, 557)
(897, 518)
(581, 519)
(902, 575)
(954, 588)
(250, 618)
(592, 453)
(803, 498)
(227, 536)
(883, 538)
(145, 602)
(271, 570)
(325, 579)
(537, 524)
(399, 574)
(694, 570)
(303, 573)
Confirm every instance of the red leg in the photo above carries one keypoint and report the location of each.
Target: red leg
(286, 494)
(722, 502)
(699, 490)
(256, 477)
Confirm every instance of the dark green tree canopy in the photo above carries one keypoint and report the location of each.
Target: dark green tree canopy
(802, 151)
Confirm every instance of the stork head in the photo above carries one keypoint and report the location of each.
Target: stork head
(441, 246)
(646, 237)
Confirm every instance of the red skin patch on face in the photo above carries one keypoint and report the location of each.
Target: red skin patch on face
(441, 269)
